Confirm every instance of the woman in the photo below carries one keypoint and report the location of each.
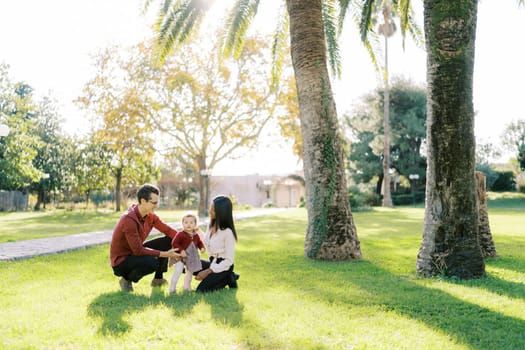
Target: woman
(220, 242)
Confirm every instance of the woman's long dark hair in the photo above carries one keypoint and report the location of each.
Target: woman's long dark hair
(223, 214)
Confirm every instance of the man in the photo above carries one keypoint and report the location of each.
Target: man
(131, 257)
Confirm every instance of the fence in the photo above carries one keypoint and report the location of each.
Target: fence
(13, 201)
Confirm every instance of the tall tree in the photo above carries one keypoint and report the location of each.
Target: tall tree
(52, 154)
(18, 149)
(118, 98)
(407, 118)
(384, 11)
(212, 108)
(386, 29)
(450, 235)
(92, 163)
(331, 232)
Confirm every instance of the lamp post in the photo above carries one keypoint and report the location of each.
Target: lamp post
(206, 173)
(4, 130)
(413, 179)
(45, 177)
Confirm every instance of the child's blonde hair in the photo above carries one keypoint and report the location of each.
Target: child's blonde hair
(191, 215)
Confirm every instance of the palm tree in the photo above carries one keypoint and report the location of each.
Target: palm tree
(450, 235)
(366, 14)
(331, 232)
(386, 29)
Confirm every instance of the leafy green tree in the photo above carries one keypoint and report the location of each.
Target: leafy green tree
(53, 154)
(385, 12)
(513, 138)
(36, 154)
(331, 233)
(92, 164)
(407, 118)
(19, 148)
(119, 100)
(408, 114)
(210, 108)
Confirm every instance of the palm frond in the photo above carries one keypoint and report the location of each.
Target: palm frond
(238, 22)
(279, 45)
(147, 3)
(372, 47)
(371, 39)
(175, 21)
(416, 33)
(330, 16)
(344, 7)
(404, 10)
(368, 7)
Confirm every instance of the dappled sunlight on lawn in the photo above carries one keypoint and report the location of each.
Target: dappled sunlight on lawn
(500, 300)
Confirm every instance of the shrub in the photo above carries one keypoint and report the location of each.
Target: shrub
(504, 182)
(407, 199)
(358, 199)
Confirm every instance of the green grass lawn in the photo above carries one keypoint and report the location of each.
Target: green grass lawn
(18, 226)
(284, 300)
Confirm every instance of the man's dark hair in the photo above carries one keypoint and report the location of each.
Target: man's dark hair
(145, 192)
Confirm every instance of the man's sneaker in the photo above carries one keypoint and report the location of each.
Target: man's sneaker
(158, 282)
(232, 283)
(125, 285)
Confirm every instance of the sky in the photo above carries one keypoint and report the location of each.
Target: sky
(49, 45)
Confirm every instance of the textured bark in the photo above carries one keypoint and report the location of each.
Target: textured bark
(450, 243)
(331, 232)
(488, 249)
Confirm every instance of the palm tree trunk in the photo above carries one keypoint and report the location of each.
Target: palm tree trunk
(450, 235)
(387, 197)
(486, 243)
(331, 233)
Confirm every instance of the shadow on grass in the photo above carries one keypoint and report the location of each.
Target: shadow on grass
(498, 286)
(470, 324)
(111, 308)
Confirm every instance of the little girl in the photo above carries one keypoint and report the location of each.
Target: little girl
(186, 242)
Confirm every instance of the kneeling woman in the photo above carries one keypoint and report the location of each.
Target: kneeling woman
(220, 242)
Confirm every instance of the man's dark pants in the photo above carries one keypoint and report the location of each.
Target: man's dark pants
(133, 268)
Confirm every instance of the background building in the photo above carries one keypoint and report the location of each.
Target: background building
(257, 190)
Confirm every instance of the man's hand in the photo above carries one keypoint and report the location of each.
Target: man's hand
(172, 253)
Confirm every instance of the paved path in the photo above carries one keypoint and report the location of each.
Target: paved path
(44, 246)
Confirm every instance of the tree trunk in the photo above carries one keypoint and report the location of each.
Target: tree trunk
(118, 185)
(387, 197)
(331, 233)
(450, 235)
(488, 249)
(87, 198)
(204, 186)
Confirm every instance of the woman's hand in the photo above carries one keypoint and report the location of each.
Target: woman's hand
(203, 274)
